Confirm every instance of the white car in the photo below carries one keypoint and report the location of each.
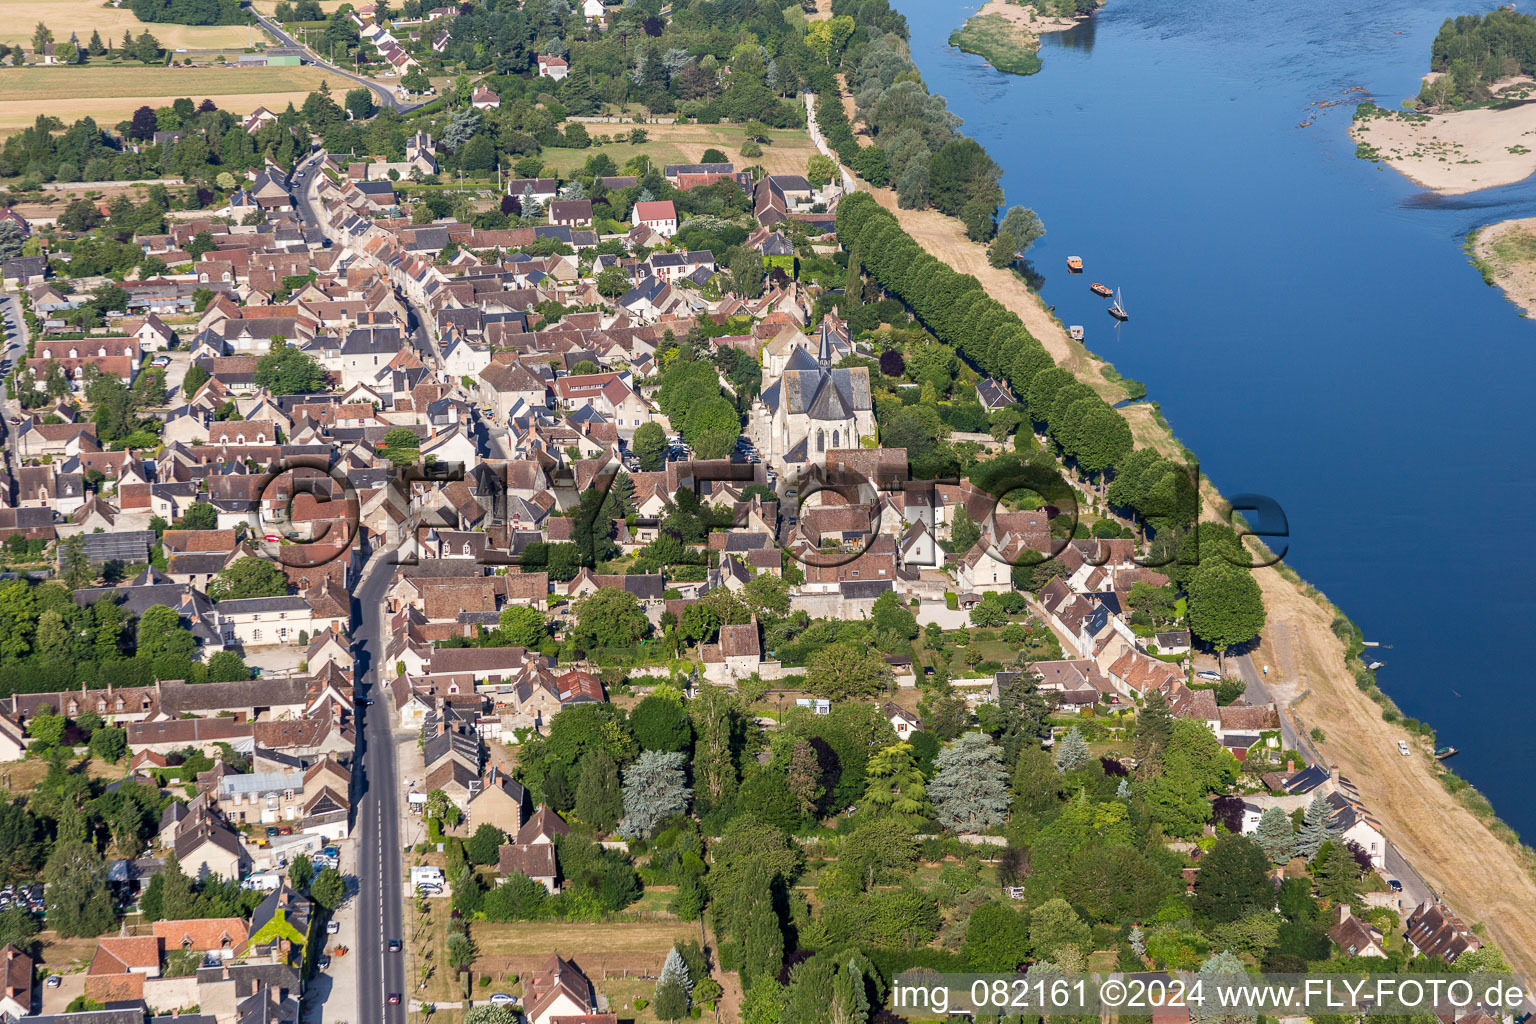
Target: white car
(1214, 677)
(501, 999)
(1402, 747)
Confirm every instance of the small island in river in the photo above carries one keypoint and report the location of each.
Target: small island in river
(1007, 33)
(1473, 124)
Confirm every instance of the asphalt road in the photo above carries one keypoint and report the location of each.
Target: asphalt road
(14, 328)
(1258, 693)
(379, 828)
(385, 93)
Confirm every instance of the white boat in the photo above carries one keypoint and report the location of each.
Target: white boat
(1076, 331)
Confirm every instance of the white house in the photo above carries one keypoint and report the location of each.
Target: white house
(658, 215)
(903, 721)
(553, 67)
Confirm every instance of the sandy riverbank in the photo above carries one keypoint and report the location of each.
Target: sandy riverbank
(1459, 152)
(1506, 252)
(1481, 876)
(1026, 17)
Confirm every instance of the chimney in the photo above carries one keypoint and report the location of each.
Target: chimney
(1333, 772)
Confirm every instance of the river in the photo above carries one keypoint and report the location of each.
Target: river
(1306, 319)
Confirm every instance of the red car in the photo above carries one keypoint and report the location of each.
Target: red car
(272, 538)
(394, 999)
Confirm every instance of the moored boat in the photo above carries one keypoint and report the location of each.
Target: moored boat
(1075, 264)
(1117, 309)
(1445, 752)
(1101, 289)
(1076, 331)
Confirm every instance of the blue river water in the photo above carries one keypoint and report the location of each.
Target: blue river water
(1307, 319)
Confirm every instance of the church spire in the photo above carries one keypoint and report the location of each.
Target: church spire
(824, 354)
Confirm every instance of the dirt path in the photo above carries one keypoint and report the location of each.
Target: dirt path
(944, 237)
(729, 1007)
(1481, 876)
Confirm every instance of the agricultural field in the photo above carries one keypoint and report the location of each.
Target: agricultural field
(111, 94)
(84, 16)
(685, 143)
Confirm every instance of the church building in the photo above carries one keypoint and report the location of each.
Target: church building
(811, 407)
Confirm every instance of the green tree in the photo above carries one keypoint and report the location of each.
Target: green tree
(522, 626)
(599, 798)
(74, 564)
(162, 635)
(650, 447)
(896, 786)
(18, 928)
(847, 669)
(53, 637)
(301, 872)
(1194, 766)
(359, 103)
(196, 377)
(200, 516)
(711, 428)
(996, 938)
(1225, 605)
(1071, 751)
(1054, 926)
(109, 743)
(1019, 230)
(146, 48)
(1154, 728)
(1317, 826)
(970, 788)
(287, 371)
(609, 618)
(47, 726)
(1275, 835)
(328, 888)
(228, 667)
(1233, 881)
(655, 790)
(248, 577)
(762, 940)
(79, 902)
(660, 723)
(820, 170)
(613, 282)
(1336, 873)
(484, 847)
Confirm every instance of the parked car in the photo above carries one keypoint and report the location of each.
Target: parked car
(1394, 885)
(324, 961)
(1402, 747)
(1214, 677)
(332, 927)
(501, 999)
(54, 981)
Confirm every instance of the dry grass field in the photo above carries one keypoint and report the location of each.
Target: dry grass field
(685, 143)
(84, 16)
(111, 94)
